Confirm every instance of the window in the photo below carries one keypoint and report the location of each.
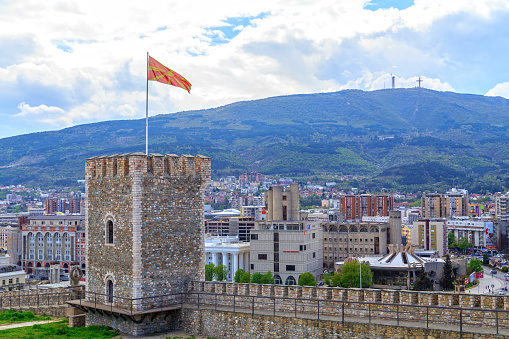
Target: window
(50, 254)
(252, 266)
(254, 236)
(276, 247)
(10, 281)
(41, 255)
(313, 235)
(110, 291)
(276, 256)
(67, 255)
(32, 254)
(57, 255)
(276, 267)
(109, 232)
(314, 254)
(302, 247)
(262, 256)
(276, 236)
(290, 268)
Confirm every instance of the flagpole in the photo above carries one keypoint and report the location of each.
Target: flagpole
(146, 115)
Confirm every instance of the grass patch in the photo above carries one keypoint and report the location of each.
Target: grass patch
(11, 316)
(59, 330)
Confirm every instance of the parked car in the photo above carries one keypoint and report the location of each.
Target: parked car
(493, 271)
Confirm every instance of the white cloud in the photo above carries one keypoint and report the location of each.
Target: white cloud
(89, 58)
(500, 90)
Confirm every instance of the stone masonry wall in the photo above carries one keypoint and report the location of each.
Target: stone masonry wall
(172, 241)
(109, 197)
(156, 205)
(227, 325)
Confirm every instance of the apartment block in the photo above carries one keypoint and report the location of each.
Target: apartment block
(453, 203)
(354, 207)
(430, 234)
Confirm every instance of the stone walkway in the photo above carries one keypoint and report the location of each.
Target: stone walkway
(30, 323)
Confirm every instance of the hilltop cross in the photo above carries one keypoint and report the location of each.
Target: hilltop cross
(419, 81)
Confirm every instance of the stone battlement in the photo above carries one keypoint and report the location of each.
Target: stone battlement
(400, 297)
(169, 165)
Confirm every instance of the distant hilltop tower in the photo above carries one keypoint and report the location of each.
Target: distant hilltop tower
(393, 82)
(144, 231)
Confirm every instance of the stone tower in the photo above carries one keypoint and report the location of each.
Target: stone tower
(144, 225)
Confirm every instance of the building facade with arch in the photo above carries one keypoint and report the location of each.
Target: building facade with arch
(50, 240)
(353, 239)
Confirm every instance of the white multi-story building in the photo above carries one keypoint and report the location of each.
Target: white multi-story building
(227, 251)
(472, 229)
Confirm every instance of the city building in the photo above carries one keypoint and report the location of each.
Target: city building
(283, 204)
(354, 207)
(11, 241)
(502, 207)
(430, 234)
(50, 240)
(255, 212)
(55, 205)
(230, 226)
(472, 229)
(453, 203)
(369, 237)
(254, 177)
(227, 251)
(287, 249)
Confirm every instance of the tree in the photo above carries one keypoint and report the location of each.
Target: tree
(221, 272)
(246, 278)
(267, 278)
(451, 239)
(327, 279)
(464, 244)
(350, 275)
(238, 275)
(209, 272)
(447, 279)
(307, 279)
(475, 266)
(256, 278)
(336, 279)
(423, 283)
(485, 260)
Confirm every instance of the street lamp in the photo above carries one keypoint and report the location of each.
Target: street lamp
(360, 273)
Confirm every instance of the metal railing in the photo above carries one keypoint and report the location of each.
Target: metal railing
(430, 317)
(459, 319)
(129, 306)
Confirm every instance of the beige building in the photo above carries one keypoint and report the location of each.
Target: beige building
(283, 203)
(453, 203)
(430, 234)
(287, 249)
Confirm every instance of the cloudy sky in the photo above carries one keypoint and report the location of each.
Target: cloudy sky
(64, 62)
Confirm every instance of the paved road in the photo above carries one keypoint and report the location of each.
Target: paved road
(497, 281)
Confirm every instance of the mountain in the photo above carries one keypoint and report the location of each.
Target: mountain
(397, 139)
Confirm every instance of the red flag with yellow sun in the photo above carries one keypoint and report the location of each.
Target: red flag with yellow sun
(159, 72)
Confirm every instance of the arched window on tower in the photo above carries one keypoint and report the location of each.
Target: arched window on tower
(109, 232)
(109, 289)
